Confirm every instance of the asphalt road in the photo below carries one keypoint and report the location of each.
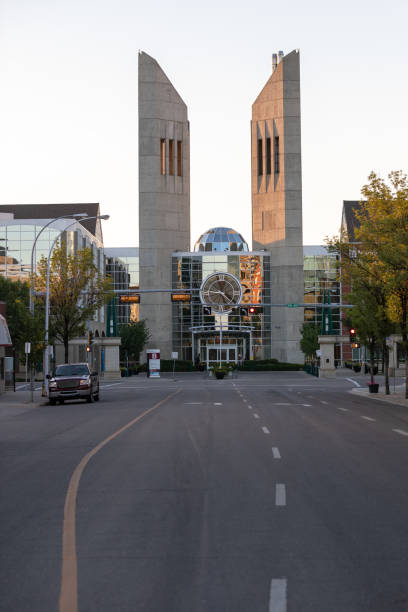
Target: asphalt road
(271, 492)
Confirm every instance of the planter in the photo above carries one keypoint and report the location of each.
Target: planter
(373, 387)
(357, 368)
(219, 375)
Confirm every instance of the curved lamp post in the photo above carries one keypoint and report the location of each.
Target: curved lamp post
(47, 299)
(31, 293)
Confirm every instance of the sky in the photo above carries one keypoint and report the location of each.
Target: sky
(68, 101)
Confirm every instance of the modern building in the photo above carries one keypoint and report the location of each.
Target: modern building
(237, 295)
(164, 223)
(21, 224)
(122, 265)
(198, 330)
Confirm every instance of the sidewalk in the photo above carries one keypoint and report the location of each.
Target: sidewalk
(395, 397)
(20, 400)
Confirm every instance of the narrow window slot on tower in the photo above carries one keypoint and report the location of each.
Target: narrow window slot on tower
(276, 154)
(260, 157)
(268, 156)
(179, 158)
(162, 156)
(171, 157)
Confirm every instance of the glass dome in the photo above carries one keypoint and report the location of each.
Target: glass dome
(221, 239)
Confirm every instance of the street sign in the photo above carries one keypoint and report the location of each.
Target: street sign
(292, 305)
(174, 355)
(27, 348)
(153, 363)
(130, 299)
(180, 297)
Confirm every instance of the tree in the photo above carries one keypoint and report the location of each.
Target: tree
(134, 338)
(22, 326)
(369, 317)
(309, 342)
(77, 290)
(379, 259)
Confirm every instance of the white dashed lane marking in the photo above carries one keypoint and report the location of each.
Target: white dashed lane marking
(366, 418)
(280, 495)
(265, 430)
(278, 595)
(217, 403)
(256, 416)
(401, 432)
(343, 409)
(275, 452)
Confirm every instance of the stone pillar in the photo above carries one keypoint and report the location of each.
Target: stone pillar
(112, 363)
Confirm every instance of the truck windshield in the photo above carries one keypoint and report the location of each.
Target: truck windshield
(72, 370)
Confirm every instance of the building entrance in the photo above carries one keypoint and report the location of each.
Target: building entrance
(224, 353)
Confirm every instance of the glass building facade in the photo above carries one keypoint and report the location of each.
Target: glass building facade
(122, 264)
(17, 238)
(198, 332)
(221, 239)
(321, 286)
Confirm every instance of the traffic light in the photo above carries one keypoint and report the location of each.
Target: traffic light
(90, 342)
(352, 336)
(252, 310)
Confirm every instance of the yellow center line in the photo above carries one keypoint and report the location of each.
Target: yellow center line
(68, 600)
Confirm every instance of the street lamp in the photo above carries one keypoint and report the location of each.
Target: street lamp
(31, 294)
(47, 299)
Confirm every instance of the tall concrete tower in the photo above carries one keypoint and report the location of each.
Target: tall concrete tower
(277, 198)
(164, 194)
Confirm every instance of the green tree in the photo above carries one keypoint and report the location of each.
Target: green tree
(378, 262)
(369, 317)
(309, 342)
(134, 338)
(22, 326)
(77, 290)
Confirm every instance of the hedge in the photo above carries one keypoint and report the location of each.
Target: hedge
(266, 365)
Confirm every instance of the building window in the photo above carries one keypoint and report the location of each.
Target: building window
(276, 155)
(162, 156)
(268, 156)
(179, 158)
(171, 157)
(260, 159)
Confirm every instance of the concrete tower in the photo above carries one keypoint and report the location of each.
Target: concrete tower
(277, 198)
(164, 194)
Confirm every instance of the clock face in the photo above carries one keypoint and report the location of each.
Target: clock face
(222, 291)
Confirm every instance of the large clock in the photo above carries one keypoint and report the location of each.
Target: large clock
(222, 291)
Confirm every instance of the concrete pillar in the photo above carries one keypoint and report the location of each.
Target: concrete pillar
(164, 194)
(327, 369)
(277, 199)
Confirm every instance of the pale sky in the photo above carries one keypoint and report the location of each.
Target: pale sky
(68, 100)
